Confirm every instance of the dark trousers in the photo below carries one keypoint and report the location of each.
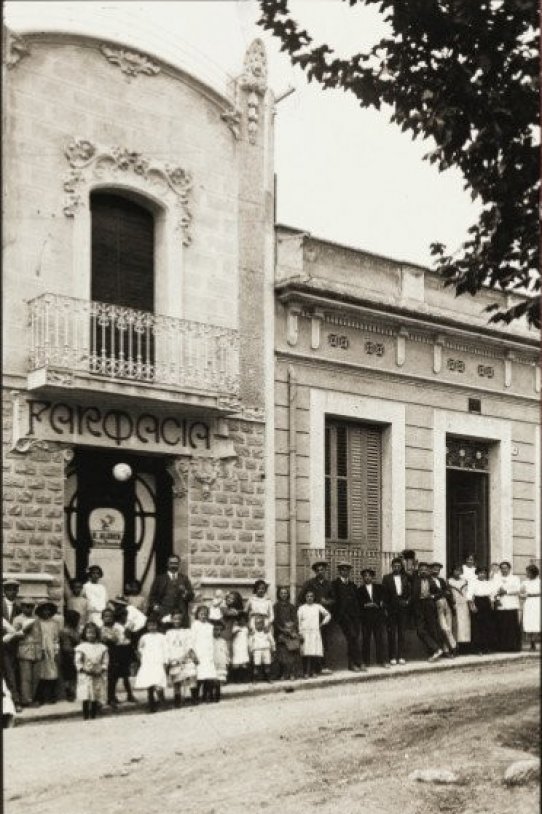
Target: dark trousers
(351, 629)
(326, 633)
(396, 626)
(427, 626)
(10, 669)
(372, 627)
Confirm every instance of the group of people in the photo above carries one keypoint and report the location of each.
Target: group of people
(100, 641)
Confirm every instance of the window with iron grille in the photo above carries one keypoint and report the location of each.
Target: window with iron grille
(353, 467)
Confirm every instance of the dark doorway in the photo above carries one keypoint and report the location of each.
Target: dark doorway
(467, 509)
(125, 526)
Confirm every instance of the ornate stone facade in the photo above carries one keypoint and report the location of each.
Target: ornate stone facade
(130, 63)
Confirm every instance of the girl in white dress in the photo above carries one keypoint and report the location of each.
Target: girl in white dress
(202, 631)
(530, 593)
(260, 605)
(95, 594)
(240, 657)
(151, 675)
(181, 659)
(91, 664)
(311, 616)
(459, 583)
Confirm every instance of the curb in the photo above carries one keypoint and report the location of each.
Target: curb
(321, 682)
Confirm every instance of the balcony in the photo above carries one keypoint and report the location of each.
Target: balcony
(84, 345)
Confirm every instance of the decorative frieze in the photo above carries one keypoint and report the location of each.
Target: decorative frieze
(455, 365)
(254, 82)
(486, 371)
(92, 161)
(338, 341)
(130, 63)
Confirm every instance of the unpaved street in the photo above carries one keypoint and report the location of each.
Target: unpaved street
(346, 748)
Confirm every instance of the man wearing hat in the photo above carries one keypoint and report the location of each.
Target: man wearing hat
(10, 609)
(171, 591)
(322, 589)
(346, 612)
(373, 615)
(30, 652)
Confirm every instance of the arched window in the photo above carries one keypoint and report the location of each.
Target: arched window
(122, 252)
(122, 277)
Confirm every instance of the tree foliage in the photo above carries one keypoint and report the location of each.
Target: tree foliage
(463, 73)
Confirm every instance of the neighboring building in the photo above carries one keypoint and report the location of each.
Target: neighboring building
(180, 376)
(403, 420)
(138, 232)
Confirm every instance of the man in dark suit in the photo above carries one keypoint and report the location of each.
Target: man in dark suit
(373, 617)
(423, 595)
(397, 589)
(445, 603)
(347, 613)
(322, 589)
(10, 609)
(170, 592)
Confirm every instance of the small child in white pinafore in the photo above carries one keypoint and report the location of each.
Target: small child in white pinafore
(151, 675)
(181, 658)
(204, 650)
(261, 646)
(221, 657)
(240, 657)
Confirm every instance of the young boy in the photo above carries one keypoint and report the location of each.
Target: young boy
(77, 602)
(261, 646)
(30, 652)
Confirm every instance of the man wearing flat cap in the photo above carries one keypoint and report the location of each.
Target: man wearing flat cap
(10, 609)
(346, 612)
(322, 589)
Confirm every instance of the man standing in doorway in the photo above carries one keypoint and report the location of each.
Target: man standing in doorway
(322, 589)
(347, 614)
(171, 591)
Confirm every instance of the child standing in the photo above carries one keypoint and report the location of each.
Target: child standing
(261, 645)
(91, 661)
(181, 658)
(124, 646)
(221, 658)
(288, 650)
(69, 639)
(30, 652)
(204, 650)
(240, 657)
(77, 602)
(311, 616)
(530, 593)
(260, 605)
(217, 606)
(50, 642)
(151, 675)
(110, 636)
(96, 594)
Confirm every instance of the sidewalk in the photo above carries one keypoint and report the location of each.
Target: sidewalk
(66, 710)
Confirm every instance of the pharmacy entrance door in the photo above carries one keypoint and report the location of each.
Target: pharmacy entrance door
(467, 506)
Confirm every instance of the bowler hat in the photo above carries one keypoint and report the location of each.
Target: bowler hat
(344, 564)
(45, 603)
(315, 564)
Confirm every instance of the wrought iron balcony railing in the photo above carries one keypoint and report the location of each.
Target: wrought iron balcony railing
(126, 344)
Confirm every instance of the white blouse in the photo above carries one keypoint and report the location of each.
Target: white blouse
(512, 585)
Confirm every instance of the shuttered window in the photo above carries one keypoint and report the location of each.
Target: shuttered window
(122, 252)
(353, 463)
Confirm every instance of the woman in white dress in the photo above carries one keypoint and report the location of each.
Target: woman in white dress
(461, 620)
(311, 617)
(96, 595)
(530, 593)
(468, 569)
(507, 587)
(151, 675)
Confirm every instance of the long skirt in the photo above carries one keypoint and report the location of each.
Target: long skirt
(508, 630)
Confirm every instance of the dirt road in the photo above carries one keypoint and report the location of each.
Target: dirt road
(343, 749)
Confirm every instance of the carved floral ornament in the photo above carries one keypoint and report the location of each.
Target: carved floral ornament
(130, 63)
(90, 161)
(205, 471)
(254, 82)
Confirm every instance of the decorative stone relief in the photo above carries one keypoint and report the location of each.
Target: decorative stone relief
(400, 347)
(437, 354)
(316, 325)
(15, 48)
(179, 470)
(292, 320)
(233, 120)
(89, 160)
(206, 471)
(29, 444)
(130, 62)
(254, 82)
(508, 368)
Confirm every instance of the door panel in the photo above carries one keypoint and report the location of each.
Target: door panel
(467, 516)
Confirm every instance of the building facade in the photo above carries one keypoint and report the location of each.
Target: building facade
(402, 419)
(181, 375)
(138, 224)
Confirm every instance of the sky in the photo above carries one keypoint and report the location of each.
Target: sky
(344, 173)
